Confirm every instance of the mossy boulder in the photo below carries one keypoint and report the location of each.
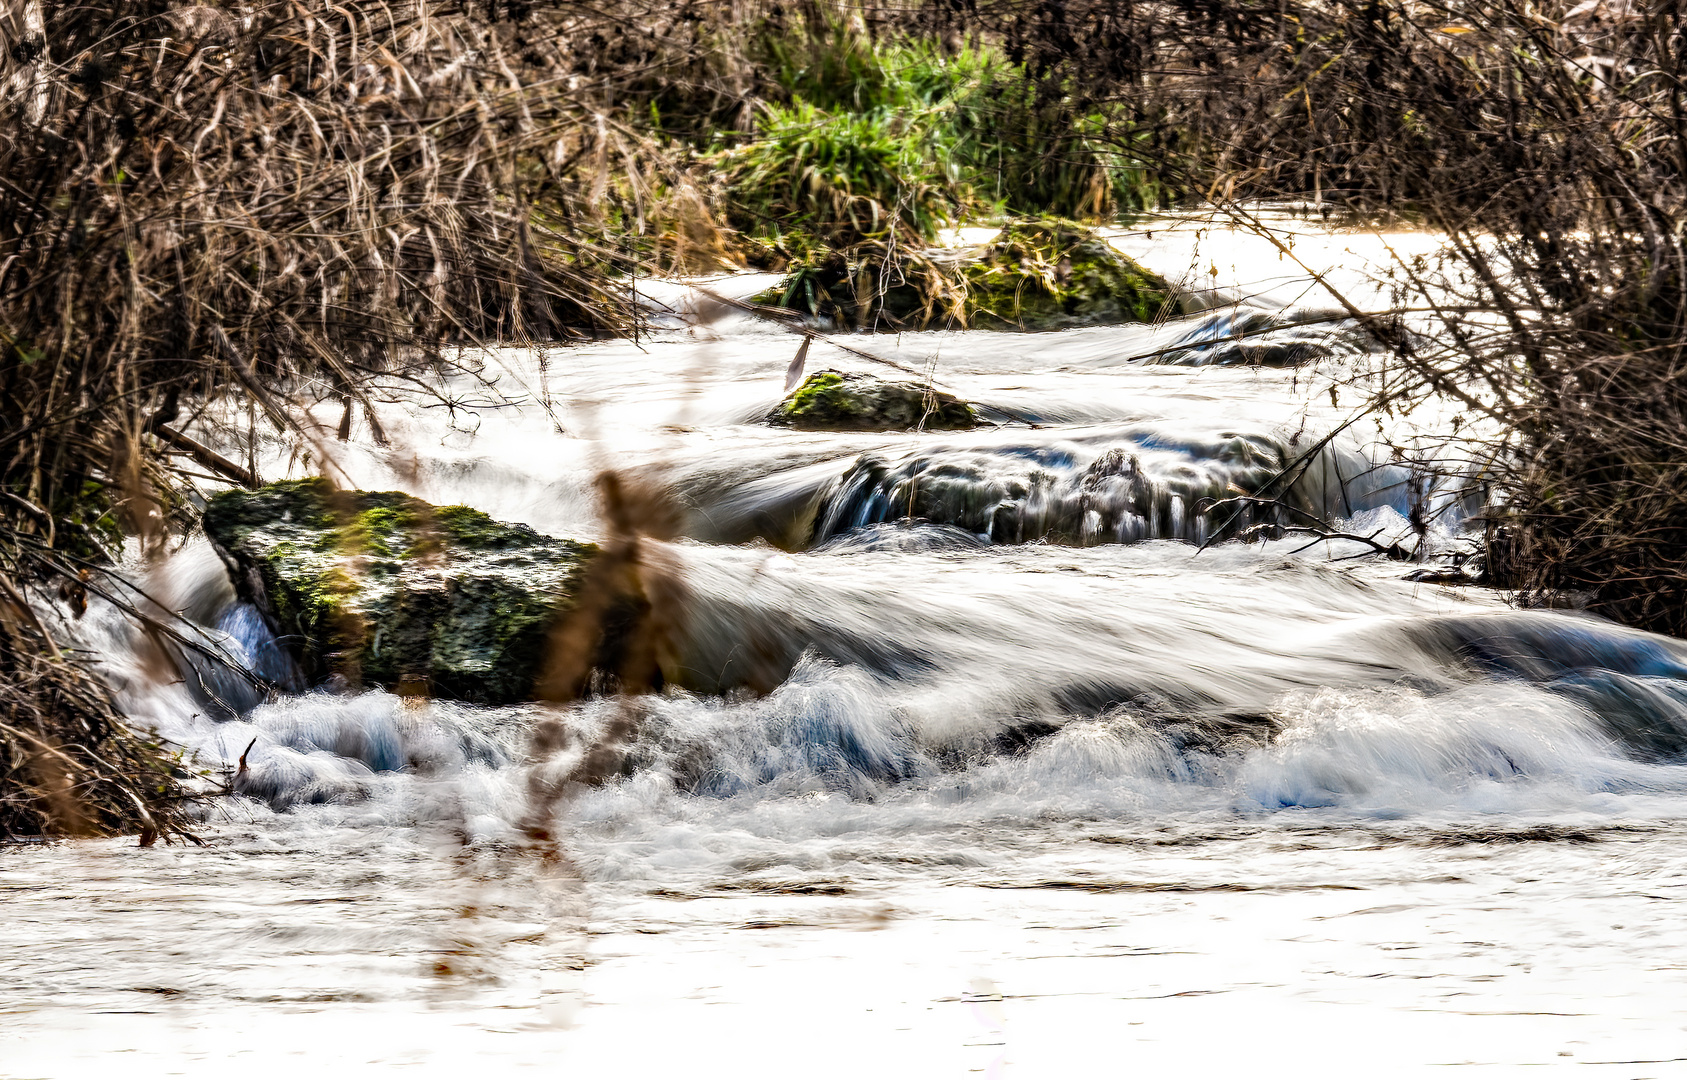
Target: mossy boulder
(381, 588)
(1050, 274)
(836, 401)
(1037, 274)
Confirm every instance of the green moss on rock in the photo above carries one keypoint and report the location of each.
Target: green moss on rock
(1050, 274)
(378, 586)
(835, 401)
(1038, 274)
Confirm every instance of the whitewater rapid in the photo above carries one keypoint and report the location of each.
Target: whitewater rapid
(990, 695)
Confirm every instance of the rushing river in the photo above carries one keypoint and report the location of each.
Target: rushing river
(1032, 784)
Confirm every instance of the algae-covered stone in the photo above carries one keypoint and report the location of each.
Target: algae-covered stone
(835, 401)
(1048, 274)
(380, 587)
(1037, 274)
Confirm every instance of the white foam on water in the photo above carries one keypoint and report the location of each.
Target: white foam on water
(1489, 752)
(991, 756)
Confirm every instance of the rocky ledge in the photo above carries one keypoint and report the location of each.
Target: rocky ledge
(380, 588)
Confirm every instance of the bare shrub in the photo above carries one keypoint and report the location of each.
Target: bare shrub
(267, 206)
(1548, 142)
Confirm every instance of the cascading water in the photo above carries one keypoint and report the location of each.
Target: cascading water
(1117, 486)
(999, 659)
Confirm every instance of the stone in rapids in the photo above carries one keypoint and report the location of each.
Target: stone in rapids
(378, 587)
(836, 401)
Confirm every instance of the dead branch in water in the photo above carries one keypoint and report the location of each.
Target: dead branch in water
(623, 630)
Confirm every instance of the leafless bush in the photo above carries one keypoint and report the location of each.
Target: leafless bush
(1549, 143)
(69, 765)
(269, 205)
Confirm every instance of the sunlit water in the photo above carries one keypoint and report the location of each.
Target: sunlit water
(934, 800)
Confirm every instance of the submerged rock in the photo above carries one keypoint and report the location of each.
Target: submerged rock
(378, 587)
(836, 401)
(1256, 338)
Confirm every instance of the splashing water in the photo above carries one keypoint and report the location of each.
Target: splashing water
(982, 692)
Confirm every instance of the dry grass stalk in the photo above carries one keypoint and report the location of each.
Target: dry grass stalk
(69, 765)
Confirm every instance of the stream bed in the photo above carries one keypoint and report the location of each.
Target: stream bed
(1030, 782)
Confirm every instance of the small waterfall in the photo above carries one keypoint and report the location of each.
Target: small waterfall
(1254, 337)
(1120, 486)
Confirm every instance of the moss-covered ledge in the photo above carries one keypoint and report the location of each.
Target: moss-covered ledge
(378, 587)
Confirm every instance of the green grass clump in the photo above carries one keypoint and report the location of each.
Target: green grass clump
(1024, 148)
(878, 145)
(879, 138)
(839, 177)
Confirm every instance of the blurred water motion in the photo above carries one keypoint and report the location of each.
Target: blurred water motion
(1027, 728)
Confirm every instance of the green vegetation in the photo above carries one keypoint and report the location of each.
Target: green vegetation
(1049, 274)
(836, 179)
(1006, 141)
(1043, 274)
(876, 146)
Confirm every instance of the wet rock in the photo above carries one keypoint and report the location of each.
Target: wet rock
(1126, 485)
(836, 401)
(1038, 274)
(1255, 338)
(1050, 274)
(377, 587)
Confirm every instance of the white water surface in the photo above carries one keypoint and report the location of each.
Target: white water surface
(935, 804)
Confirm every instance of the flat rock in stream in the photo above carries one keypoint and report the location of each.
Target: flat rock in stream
(1256, 338)
(381, 588)
(837, 401)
